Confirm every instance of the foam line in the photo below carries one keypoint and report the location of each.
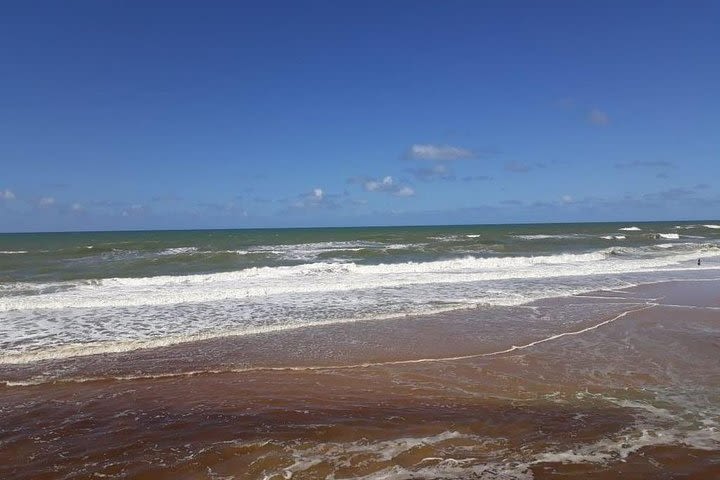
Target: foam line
(259, 282)
(513, 348)
(617, 297)
(690, 307)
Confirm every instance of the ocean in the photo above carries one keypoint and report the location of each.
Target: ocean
(268, 318)
(68, 294)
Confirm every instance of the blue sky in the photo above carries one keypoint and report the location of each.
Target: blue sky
(126, 115)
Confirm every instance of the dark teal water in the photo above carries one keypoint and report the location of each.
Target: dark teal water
(95, 255)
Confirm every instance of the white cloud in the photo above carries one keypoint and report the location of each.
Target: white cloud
(594, 116)
(388, 185)
(598, 117)
(379, 185)
(7, 194)
(46, 201)
(566, 199)
(439, 152)
(437, 171)
(517, 167)
(317, 197)
(135, 209)
(76, 207)
(405, 192)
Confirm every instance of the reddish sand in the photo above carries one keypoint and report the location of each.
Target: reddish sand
(610, 385)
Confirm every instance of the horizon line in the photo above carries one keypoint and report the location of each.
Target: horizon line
(327, 227)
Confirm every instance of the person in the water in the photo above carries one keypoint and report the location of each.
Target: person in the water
(699, 262)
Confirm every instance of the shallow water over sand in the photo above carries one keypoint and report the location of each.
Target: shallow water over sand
(598, 385)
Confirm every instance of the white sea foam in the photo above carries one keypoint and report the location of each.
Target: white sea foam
(311, 251)
(330, 277)
(72, 318)
(179, 250)
(548, 237)
(669, 236)
(714, 227)
(445, 238)
(630, 229)
(472, 236)
(12, 252)
(79, 349)
(455, 458)
(654, 426)
(608, 450)
(400, 246)
(614, 237)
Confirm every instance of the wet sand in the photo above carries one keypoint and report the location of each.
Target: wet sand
(605, 385)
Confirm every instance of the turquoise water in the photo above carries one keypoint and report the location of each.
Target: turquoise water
(65, 294)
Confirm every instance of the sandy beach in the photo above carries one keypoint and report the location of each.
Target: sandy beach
(623, 382)
(408, 240)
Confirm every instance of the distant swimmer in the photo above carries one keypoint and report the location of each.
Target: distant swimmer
(699, 262)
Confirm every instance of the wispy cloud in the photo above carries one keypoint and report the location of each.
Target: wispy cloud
(404, 192)
(46, 201)
(476, 178)
(224, 209)
(598, 117)
(593, 115)
(315, 198)
(644, 164)
(135, 210)
(439, 152)
(439, 171)
(516, 167)
(311, 198)
(519, 167)
(387, 185)
(169, 198)
(7, 194)
(671, 194)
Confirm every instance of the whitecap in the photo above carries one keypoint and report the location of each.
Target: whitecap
(324, 277)
(547, 237)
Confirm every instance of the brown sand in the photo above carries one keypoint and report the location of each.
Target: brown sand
(614, 384)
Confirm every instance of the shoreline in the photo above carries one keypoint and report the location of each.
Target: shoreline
(604, 383)
(388, 332)
(71, 352)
